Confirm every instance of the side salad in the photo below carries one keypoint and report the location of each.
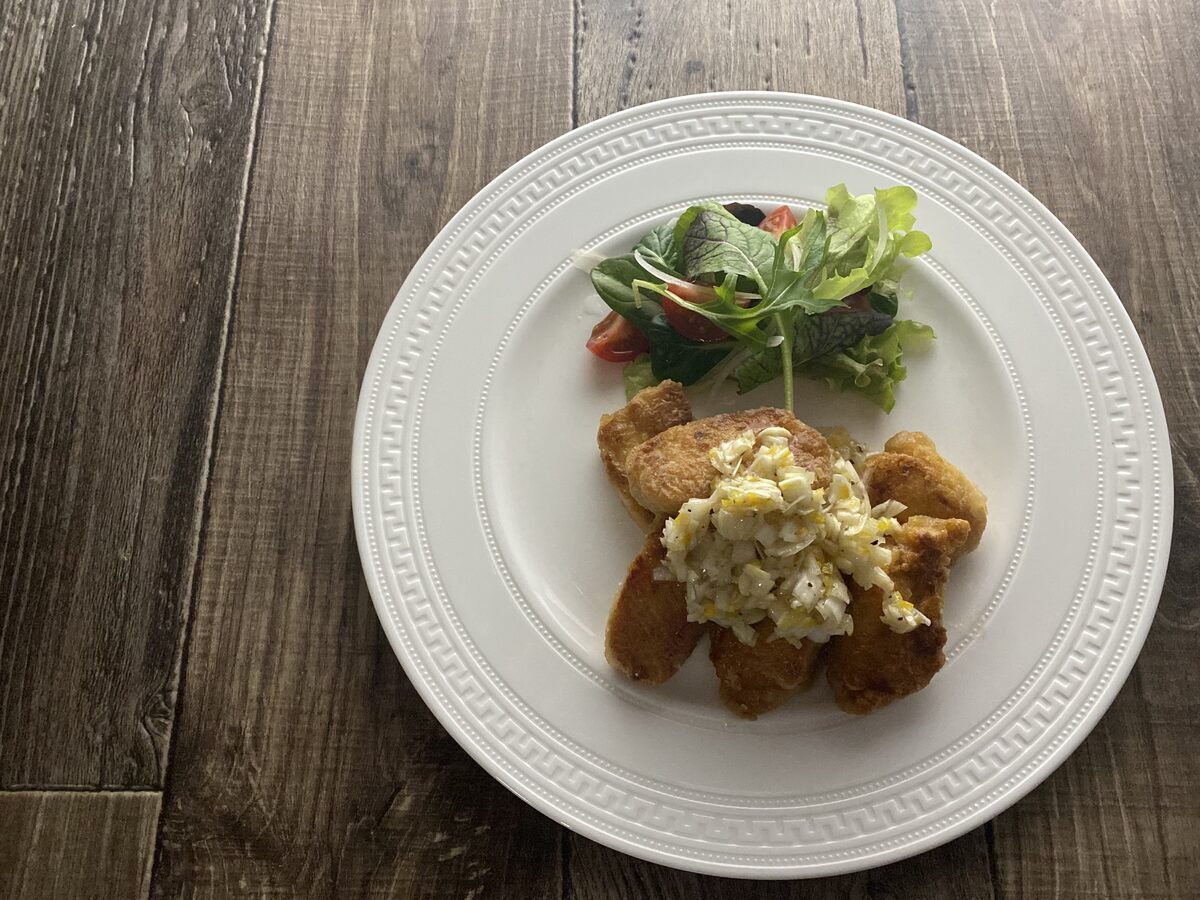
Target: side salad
(729, 292)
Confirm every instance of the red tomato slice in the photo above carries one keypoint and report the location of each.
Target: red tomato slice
(779, 221)
(617, 340)
(690, 324)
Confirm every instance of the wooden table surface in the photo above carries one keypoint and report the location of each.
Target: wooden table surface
(206, 209)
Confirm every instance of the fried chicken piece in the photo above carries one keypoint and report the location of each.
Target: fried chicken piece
(912, 471)
(755, 680)
(648, 635)
(652, 410)
(671, 468)
(874, 665)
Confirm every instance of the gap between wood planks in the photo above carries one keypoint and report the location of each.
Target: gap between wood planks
(201, 505)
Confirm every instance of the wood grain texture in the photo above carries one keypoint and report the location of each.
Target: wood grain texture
(634, 51)
(68, 844)
(629, 53)
(124, 142)
(1095, 108)
(304, 763)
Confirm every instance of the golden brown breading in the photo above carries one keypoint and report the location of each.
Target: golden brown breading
(652, 410)
(755, 680)
(671, 468)
(648, 635)
(912, 471)
(874, 666)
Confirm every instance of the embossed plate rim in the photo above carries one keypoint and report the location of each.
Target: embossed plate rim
(679, 852)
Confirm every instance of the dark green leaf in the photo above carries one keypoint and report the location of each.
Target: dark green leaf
(685, 221)
(813, 337)
(884, 302)
(716, 243)
(798, 256)
(684, 361)
(613, 280)
(659, 249)
(671, 355)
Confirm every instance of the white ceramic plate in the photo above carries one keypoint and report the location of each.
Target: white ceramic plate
(493, 544)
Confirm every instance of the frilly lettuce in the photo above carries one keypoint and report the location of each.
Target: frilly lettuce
(869, 234)
(816, 336)
(638, 373)
(873, 366)
(782, 303)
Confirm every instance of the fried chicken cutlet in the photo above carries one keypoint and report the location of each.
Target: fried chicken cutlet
(648, 635)
(756, 679)
(873, 666)
(652, 410)
(912, 471)
(672, 467)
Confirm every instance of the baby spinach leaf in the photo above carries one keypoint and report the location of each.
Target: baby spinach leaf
(671, 355)
(660, 249)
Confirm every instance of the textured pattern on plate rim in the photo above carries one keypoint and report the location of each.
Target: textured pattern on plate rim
(910, 147)
(807, 802)
(631, 693)
(435, 575)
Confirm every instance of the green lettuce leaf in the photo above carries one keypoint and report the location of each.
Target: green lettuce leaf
(638, 374)
(873, 366)
(869, 235)
(802, 321)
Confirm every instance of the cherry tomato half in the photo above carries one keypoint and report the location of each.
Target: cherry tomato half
(779, 221)
(691, 324)
(616, 339)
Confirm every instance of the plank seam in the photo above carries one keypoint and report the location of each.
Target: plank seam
(566, 841)
(989, 835)
(908, 83)
(78, 789)
(575, 39)
(202, 505)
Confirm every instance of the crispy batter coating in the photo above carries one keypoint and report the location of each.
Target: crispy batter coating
(755, 680)
(648, 635)
(672, 467)
(912, 471)
(874, 666)
(652, 410)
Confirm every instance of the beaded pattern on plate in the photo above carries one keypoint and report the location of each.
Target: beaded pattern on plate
(597, 798)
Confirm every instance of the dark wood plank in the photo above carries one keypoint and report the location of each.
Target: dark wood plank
(632, 53)
(68, 844)
(1095, 108)
(125, 133)
(304, 763)
(958, 870)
